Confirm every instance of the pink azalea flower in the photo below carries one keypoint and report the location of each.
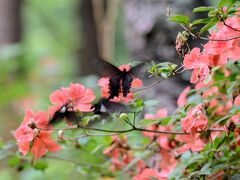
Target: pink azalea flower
(192, 142)
(104, 84)
(161, 113)
(81, 97)
(76, 96)
(182, 99)
(148, 174)
(191, 58)
(221, 51)
(163, 139)
(195, 120)
(201, 84)
(237, 101)
(118, 152)
(30, 132)
(199, 63)
(43, 143)
(167, 163)
(222, 109)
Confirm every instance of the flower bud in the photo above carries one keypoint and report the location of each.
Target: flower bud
(123, 116)
(60, 134)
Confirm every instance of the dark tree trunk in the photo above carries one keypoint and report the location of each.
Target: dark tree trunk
(98, 31)
(10, 26)
(89, 38)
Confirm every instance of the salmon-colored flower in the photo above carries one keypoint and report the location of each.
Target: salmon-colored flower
(31, 132)
(161, 113)
(167, 163)
(118, 152)
(199, 63)
(76, 97)
(192, 142)
(237, 101)
(43, 143)
(195, 120)
(182, 99)
(148, 174)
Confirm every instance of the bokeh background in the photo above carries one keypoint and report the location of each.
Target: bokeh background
(48, 44)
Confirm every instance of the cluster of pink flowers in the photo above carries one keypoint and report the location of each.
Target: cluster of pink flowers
(34, 134)
(166, 161)
(214, 53)
(30, 132)
(76, 97)
(104, 84)
(120, 154)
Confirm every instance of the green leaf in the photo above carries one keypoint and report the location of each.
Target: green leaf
(180, 19)
(202, 9)
(215, 68)
(201, 21)
(206, 168)
(218, 142)
(208, 25)
(40, 165)
(228, 3)
(185, 157)
(14, 161)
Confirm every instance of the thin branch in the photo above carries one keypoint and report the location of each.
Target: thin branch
(228, 39)
(128, 122)
(135, 129)
(230, 26)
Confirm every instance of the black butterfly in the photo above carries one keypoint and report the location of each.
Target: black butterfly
(64, 113)
(104, 106)
(120, 81)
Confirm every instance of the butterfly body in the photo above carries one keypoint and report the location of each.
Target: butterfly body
(119, 80)
(120, 83)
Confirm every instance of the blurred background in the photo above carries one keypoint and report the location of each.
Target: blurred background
(48, 44)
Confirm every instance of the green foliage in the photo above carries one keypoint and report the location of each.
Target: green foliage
(165, 69)
(180, 19)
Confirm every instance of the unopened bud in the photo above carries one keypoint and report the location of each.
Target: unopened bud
(123, 116)
(60, 134)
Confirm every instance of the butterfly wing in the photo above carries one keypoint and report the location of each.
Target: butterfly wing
(114, 107)
(140, 70)
(58, 116)
(105, 68)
